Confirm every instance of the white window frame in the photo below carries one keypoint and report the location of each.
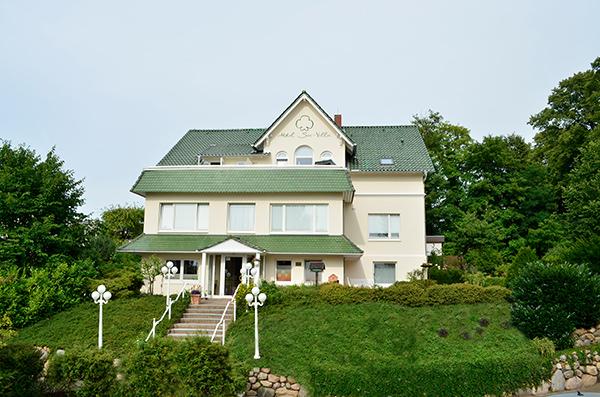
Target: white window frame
(291, 271)
(312, 155)
(384, 263)
(326, 155)
(281, 158)
(284, 215)
(179, 275)
(389, 231)
(229, 230)
(172, 223)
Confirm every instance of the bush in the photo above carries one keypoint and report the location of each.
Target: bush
(20, 368)
(446, 276)
(86, 372)
(553, 300)
(510, 371)
(194, 366)
(483, 280)
(485, 260)
(122, 283)
(45, 292)
(412, 294)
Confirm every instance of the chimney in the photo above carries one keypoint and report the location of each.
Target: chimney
(338, 120)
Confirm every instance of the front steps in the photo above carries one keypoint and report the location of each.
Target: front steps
(201, 320)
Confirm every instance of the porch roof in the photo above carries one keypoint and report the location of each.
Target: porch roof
(272, 244)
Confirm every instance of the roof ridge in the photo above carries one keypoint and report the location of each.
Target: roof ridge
(379, 126)
(226, 129)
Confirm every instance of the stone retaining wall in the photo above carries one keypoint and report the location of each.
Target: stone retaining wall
(263, 383)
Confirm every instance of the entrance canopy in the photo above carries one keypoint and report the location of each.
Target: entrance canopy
(231, 246)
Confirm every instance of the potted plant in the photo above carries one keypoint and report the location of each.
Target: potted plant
(196, 295)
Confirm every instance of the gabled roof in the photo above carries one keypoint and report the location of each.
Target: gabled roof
(222, 179)
(304, 96)
(274, 244)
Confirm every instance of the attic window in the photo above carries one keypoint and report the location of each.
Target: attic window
(386, 161)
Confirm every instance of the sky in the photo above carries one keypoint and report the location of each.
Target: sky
(113, 85)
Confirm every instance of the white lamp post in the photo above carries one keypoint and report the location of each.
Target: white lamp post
(101, 296)
(256, 299)
(169, 271)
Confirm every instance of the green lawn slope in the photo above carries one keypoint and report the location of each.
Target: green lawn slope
(125, 322)
(381, 349)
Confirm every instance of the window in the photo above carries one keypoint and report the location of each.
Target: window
(385, 273)
(304, 155)
(386, 161)
(384, 226)
(281, 158)
(183, 217)
(326, 155)
(284, 271)
(190, 269)
(303, 218)
(241, 217)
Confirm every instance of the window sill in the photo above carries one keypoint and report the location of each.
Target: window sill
(240, 232)
(385, 239)
(183, 231)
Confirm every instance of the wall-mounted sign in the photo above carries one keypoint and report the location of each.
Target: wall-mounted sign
(304, 125)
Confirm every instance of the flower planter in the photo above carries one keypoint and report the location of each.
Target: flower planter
(196, 299)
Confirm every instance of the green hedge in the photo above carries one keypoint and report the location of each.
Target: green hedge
(191, 367)
(122, 283)
(412, 294)
(497, 375)
(20, 368)
(92, 370)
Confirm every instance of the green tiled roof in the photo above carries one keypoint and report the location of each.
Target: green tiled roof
(207, 179)
(219, 142)
(288, 244)
(402, 143)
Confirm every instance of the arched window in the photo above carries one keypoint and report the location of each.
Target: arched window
(304, 155)
(281, 158)
(326, 155)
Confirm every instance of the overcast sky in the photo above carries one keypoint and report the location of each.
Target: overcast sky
(114, 84)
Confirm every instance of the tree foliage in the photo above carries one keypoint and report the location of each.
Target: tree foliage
(39, 203)
(123, 223)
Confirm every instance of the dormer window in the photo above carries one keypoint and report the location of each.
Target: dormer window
(281, 158)
(326, 155)
(304, 155)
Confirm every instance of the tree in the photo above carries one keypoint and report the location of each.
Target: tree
(39, 203)
(447, 145)
(150, 268)
(568, 123)
(123, 223)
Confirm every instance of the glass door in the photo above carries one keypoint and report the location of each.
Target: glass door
(233, 267)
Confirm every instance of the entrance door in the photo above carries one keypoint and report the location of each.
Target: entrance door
(233, 266)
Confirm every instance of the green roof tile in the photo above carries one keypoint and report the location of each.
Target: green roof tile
(288, 244)
(402, 143)
(243, 180)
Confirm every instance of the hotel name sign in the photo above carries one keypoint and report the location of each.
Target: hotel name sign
(304, 126)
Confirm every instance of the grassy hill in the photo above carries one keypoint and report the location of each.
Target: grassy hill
(125, 322)
(381, 349)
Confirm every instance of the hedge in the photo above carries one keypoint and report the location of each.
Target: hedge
(411, 294)
(508, 371)
(20, 368)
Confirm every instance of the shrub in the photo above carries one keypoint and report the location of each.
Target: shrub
(20, 368)
(485, 260)
(88, 372)
(122, 283)
(339, 294)
(464, 294)
(406, 294)
(45, 292)
(446, 276)
(553, 300)
(497, 375)
(194, 366)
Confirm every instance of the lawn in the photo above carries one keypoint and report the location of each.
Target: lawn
(125, 322)
(386, 349)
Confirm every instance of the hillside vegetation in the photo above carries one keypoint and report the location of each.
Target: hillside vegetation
(381, 349)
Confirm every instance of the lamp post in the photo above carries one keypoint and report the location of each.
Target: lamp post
(250, 271)
(169, 271)
(256, 299)
(101, 296)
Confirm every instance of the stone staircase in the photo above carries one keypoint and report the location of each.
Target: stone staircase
(201, 320)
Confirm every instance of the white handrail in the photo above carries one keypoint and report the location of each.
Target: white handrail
(222, 320)
(167, 311)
